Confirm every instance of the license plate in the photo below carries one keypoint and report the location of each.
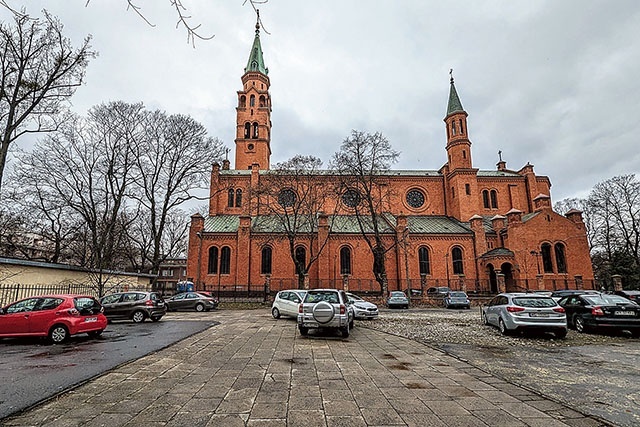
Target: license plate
(624, 313)
(91, 319)
(539, 314)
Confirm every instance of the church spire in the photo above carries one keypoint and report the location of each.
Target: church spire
(455, 106)
(256, 61)
(458, 144)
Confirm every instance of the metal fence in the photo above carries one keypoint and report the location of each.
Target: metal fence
(265, 291)
(14, 292)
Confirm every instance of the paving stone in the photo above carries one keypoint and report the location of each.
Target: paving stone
(256, 371)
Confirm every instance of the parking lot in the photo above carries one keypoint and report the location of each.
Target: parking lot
(595, 373)
(591, 373)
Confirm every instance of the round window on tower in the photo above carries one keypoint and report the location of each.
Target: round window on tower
(250, 147)
(415, 198)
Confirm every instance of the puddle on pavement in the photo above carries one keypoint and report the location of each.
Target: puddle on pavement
(400, 366)
(389, 356)
(416, 386)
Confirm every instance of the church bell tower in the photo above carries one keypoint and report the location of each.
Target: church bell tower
(253, 117)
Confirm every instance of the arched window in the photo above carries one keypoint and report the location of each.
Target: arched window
(546, 258)
(561, 261)
(461, 127)
(345, 260)
(255, 130)
(301, 258)
(464, 154)
(262, 101)
(247, 130)
(212, 265)
(423, 261)
(230, 194)
(225, 260)
(456, 258)
(467, 189)
(494, 199)
(485, 199)
(252, 100)
(243, 101)
(265, 266)
(238, 198)
(453, 127)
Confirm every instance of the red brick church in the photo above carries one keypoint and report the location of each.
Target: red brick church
(463, 227)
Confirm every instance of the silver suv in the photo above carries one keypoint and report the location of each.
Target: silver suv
(325, 308)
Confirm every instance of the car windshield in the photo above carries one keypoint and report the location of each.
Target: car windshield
(313, 297)
(355, 297)
(534, 302)
(605, 299)
(457, 295)
(398, 295)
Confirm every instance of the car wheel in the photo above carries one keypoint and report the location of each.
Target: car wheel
(303, 331)
(156, 318)
(138, 316)
(578, 322)
(95, 334)
(560, 334)
(275, 313)
(58, 334)
(503, 327)
(200, 307)
(345, 332)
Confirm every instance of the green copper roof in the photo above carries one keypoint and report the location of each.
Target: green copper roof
(436, 225)
(221, 224)
(256, 61)
(455, 106)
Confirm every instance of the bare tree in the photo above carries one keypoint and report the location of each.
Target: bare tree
(89, 167)
(615, 204)
(173, 160)
(361, 164)
(183, 17)
(291, 199)
(40, 71)
(11, 228)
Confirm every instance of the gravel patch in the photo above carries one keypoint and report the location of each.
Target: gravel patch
(440, 326)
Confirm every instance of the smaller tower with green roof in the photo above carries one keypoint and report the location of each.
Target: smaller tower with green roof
(458, 144)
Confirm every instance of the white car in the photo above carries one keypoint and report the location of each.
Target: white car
(286, 303)
(362, 309)
(513, 312)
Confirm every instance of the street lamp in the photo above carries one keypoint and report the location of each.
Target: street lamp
(198, 281)
(536, 254)
(446, 261)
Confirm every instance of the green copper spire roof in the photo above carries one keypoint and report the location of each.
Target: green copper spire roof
(256, 61)
(455, 106)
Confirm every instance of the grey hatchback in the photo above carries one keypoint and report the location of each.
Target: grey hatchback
(136, 306)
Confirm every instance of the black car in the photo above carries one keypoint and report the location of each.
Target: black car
(191, 301)
(558, 295)
(135, 305)
(630, 295)
(588, 312)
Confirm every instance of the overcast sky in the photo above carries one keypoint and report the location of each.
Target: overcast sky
(553, 83)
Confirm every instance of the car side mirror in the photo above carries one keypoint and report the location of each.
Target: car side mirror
(1, 310)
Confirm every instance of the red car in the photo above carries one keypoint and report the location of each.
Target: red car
(54, 316)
